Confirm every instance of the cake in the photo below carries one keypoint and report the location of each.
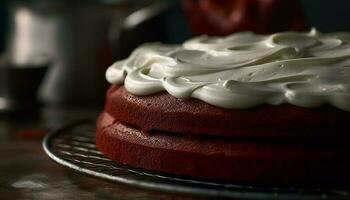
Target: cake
(246, 108)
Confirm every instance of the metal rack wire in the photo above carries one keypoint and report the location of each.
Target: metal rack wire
(73, 146)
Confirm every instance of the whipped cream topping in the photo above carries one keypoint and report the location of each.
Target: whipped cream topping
(244, 70)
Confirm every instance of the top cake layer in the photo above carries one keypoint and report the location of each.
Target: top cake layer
(244, 70)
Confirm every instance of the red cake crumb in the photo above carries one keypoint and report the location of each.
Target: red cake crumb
(167, 113)
(267, 145)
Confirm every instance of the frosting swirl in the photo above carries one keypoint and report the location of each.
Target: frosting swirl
(244, 70)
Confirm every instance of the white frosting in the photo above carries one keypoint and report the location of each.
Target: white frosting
(244, 70)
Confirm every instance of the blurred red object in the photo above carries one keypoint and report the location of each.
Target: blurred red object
(222, 17)
(32, 134)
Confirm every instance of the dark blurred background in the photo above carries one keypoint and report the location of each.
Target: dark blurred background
(325, 15)
(81, 38)
(176, 30)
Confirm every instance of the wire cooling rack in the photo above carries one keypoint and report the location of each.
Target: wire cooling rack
(73, 146)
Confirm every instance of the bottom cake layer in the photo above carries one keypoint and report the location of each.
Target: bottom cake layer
(225, 159)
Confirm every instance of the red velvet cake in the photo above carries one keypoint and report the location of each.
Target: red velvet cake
(266, 109)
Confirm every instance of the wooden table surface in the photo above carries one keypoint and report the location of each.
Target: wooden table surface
(26, 172)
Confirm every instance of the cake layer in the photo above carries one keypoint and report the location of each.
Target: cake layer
(217, 158)
(164, 112)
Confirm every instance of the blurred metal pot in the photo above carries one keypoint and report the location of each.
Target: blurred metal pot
(77, 37)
